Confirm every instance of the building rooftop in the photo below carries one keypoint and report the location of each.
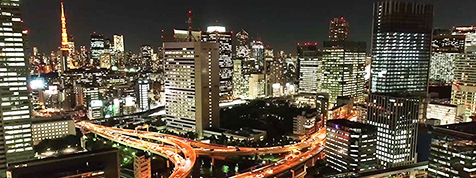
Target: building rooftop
(467, 128)
(349, 124)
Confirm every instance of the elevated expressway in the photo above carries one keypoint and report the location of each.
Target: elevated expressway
(192, 148)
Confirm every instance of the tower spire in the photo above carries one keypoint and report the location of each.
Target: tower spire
(64, 34)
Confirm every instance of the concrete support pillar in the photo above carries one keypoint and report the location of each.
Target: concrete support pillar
(213, 161)
(292, 173)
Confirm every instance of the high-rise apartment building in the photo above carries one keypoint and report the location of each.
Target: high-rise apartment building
(338, 30)
(452, 151)
(310, 67)
(343, 70)
(399, 78)
(15, 135)
(192, 85)
(218, 34)
(350, 146)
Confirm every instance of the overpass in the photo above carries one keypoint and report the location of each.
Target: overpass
(191, 149)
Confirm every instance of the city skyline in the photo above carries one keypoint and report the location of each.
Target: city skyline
(296, 23)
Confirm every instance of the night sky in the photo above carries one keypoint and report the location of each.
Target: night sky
(280, 25)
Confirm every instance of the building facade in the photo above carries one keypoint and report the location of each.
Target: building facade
(343, 70)
(351, 146)
(15, 112)
(218, 34)
(142, 94)
(463, 90)
(310, 68)
(191, 86)
(452, 151)
(338, 29)
(51, 128)
(401, 46)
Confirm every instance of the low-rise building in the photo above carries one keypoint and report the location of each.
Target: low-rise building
(242, 134)
(95, 164)
(142, 166)
(51, 128)
(305, 124)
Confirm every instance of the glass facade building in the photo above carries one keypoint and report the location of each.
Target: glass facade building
(15, 133)
(401, 46)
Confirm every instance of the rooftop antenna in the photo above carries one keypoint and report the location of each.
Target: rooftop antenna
(190, 36)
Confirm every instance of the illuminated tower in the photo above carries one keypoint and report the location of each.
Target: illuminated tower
(64, 34)
(65, 59)
(15, 114)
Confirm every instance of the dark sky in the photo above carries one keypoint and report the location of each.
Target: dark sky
(280, 24)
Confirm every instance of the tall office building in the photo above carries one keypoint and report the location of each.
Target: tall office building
(310, 68)
(338, 30)
(446, 48)
(240, 80)
(118, 43)
(192, 85)
(350, 146)
(97, 48)
(16, 138)
(257, 54)
(452, 151)
(343, 70)
(218, 34)
(464, 85)
(146, 57)
(399, 77)
(142, 94)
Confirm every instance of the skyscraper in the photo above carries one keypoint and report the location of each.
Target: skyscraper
(464, 83)
(257, 54)
(338, 29)
(343, 68)
(241, 65)
(399, 77)
(118, 43)
(218, 34)
(97, 48)
(16, 138)
(146, 57)
(310, 67)
(192, 86)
